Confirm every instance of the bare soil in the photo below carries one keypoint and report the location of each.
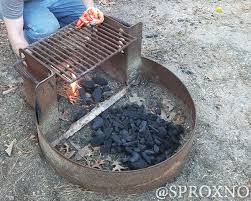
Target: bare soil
(208, 51)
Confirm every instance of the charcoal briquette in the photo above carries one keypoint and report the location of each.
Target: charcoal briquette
(97, 140)
(124, 159)
(89, 85)
(138, 122)
(129, 143)
(97, 123)
(146, 157)
(97, 94)
(129, 150)
(105, 114)
(108, 131)
(142, 127)
(82, 93)
(139, 164)
(157, 141)
(99, 132)
(89, 100)
(116, 128)
(100, 81)
(107, 146)
(160, 158)
(123, 141)
(142, 147)
(156, 148)
(151, 117)
(137, 149)
(142, 140)
(134, 157)
(116, 139)
(162, 131)
(149, 152)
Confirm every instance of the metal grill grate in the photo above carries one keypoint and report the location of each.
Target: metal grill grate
(72, 52)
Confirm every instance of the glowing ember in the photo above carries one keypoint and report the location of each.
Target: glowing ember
(74, 86)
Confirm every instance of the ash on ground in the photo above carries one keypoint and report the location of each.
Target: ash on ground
(144, 128)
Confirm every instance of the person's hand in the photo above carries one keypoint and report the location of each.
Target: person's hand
(16, 34)
(16, 45)
(96, 14)
(91, 16)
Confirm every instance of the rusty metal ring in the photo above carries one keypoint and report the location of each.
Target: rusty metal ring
(134, 181)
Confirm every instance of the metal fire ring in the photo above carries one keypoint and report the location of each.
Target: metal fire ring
(134, 181)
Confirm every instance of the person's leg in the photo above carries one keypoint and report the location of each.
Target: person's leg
(39, 21)
(67, 11)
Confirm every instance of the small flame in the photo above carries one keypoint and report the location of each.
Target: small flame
(74, 86)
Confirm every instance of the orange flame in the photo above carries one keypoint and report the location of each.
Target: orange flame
(74, 85)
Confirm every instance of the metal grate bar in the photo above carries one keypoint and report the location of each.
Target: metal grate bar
(65, 57)
(110, 49)
(37, 51)
(111, 34)
(101, 55)
(78, 51)
(70, 55)
(62, 61)
(68, 48)
(103, 37)
(45, 63)
(86, 56)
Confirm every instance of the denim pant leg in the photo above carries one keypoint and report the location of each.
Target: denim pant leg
(67, 11)
(39, 21)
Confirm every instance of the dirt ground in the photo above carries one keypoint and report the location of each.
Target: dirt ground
(208, 51)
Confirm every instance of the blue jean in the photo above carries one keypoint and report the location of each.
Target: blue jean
(44, 17)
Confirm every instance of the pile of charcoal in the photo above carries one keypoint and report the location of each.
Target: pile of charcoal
(138, 137)
(94, 90)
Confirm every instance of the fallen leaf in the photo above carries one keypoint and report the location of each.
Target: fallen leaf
(85, 151)
(98, 164)
(179, 119)
(10, 147)
(117, 166)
